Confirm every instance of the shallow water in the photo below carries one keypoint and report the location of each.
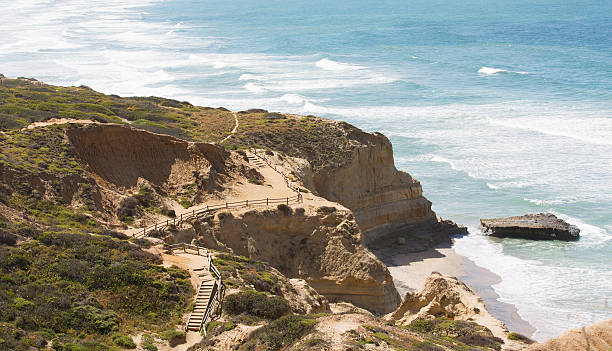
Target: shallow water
(499, 108)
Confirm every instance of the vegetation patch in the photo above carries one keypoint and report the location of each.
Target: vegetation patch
(257, 304)
(281, 333)
(63, 286)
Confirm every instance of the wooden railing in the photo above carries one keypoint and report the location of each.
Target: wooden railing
(195, 214)
(285, 178)
(218, 291)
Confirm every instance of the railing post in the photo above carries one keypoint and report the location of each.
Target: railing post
(226, 204)
(287, 201)
(184, 250)
(181, 217)
(247, 203)
(194, 213)
(267, 201)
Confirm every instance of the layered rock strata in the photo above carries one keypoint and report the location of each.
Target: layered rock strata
(388, 204)
(541, 226)
(323, 249)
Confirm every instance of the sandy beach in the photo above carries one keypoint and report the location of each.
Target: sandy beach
(410, 270)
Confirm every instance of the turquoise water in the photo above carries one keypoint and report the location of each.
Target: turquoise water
(499, 108)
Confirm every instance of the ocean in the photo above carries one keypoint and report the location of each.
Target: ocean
(499, 108)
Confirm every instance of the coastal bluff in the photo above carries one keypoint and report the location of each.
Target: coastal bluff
(541, 226)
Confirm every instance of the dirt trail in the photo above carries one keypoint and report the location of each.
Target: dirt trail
(233, 130)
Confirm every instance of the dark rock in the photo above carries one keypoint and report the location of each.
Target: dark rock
(541, 226)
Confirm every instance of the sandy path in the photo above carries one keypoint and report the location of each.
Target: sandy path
(233, 130)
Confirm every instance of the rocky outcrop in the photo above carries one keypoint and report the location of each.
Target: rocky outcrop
(448, 297)
(323, 249)
(597, 337)
(541, 226)
(388, 204)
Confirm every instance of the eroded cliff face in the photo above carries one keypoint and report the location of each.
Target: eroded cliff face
(121, 155)
(387, 203)
(323, 249)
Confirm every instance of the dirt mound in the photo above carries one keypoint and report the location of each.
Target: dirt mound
(121, 155)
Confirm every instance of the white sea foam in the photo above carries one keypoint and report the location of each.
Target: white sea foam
(490, 71)
(248, 76)
(506, 185)
(294, 99)
(535, 287)
(331, 65)
(587, 130)
(552, 202)
(255, 88)
(590, 234)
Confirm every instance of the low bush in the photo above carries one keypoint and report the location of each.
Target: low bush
(174, 337)
(124, 341)
(147, 343)
(517, 336)
(281, 333)
(285, 210)
(256, 303)
(7, 238)
(481, 341)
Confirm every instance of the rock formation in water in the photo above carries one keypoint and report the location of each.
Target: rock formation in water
(541, 226)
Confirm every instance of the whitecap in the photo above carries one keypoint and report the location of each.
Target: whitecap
(557, 201)
(248, 76)
(489, 70)
(255, 88)
(331, 65)
(293, 99)
(508, 185)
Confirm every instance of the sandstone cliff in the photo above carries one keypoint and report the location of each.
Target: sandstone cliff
(121, 155)
(322, 248)
(597, 337)
(388, 204)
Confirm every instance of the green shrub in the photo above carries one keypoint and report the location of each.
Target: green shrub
(281, 333)
(257, 304)
(147, 343)
(124, 341)
(474, 339)
(174, 337)
(421, 325)
(517, 336)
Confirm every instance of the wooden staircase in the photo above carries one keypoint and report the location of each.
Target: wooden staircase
(208, 285)
(256, 161)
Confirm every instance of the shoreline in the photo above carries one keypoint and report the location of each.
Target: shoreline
(410, 270)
